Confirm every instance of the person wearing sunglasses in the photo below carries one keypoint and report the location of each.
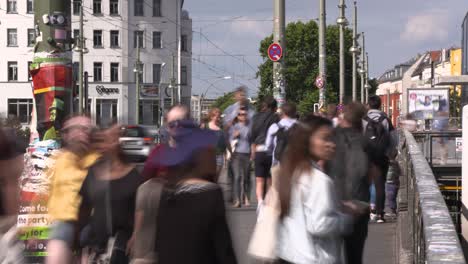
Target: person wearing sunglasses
(69, 172)
(240, 132)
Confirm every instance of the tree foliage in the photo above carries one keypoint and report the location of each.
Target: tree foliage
(224, 101)
(302, 59)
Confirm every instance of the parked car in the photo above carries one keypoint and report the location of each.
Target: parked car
(137, 142)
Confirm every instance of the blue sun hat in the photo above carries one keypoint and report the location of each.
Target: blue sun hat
(189, 139)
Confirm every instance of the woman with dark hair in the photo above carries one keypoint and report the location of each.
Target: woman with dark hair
(313, 220)
(184, 222)
(109, 191)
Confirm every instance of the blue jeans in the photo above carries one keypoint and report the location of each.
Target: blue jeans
(391, 190)
(372, 194)
(63, 231)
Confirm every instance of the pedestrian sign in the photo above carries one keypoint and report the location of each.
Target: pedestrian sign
(275, 52)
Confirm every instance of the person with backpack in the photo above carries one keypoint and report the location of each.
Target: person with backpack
(277, 136)
(377, 131)
(350, 170)
(260, 154)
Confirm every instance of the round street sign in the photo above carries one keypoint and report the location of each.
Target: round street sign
(275, 52)
(319, 82)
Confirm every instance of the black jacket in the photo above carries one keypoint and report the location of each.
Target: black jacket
(261, 122)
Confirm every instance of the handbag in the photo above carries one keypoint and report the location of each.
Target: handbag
(263, 243)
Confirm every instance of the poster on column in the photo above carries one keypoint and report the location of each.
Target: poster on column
(428, 103)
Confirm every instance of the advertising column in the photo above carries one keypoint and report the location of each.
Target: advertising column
(51, 72)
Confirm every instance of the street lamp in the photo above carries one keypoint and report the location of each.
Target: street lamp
(216, 80)
(161, 98)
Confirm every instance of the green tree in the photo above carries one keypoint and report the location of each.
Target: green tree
(224, 101)
(301, 60)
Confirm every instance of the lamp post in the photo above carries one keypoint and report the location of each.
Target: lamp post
(342, 22)
(206, 91)
(355, 51)
(81, 49)
(161, 96)
(137, 71)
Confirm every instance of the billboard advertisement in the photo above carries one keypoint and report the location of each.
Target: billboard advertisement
(428, 103)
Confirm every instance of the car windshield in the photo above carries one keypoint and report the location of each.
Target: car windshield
(133, 132)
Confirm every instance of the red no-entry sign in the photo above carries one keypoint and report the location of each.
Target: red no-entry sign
(275, 52)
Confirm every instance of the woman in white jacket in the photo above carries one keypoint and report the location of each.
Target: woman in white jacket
(313, 220)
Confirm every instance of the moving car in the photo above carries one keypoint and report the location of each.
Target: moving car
(137, 142)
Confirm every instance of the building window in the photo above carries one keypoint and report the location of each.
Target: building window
(76, 7)
(157, 40)
(106, 111)
(11, 7)
(97, 72)
(157, 8)
(114, 72)
(114, 7)
(183, 73)
(29, 7)
(138, 39)
(114, 35)
(156, 73)
(29, 71)
(148, 112)
(97, 7)
(12, 71)
(12, 37)
(31, 37)
(97, 38)
(184, 43)
(76, 34)
(21, 109)
(139, 9)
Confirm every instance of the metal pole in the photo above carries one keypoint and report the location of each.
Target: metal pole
(322, 53)
(367, 77)
(80, 74)
(342, 22)
(137, 85)
(279, 81)
(388, 103)
(179, 59)
(363, 68)
(354, 51)
(173, 82)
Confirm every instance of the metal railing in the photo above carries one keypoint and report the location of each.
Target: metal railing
(440, 147)
(424, 220)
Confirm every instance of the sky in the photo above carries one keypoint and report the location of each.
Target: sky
(227, 34)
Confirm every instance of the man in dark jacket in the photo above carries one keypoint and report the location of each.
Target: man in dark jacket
(260, 153)
(350, 169)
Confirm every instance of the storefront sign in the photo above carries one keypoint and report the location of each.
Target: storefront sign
(149, 90)
(100, 89)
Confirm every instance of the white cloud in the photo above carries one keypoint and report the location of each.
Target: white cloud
(432, 25)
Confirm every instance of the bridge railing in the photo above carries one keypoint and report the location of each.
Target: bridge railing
(440, 147)
(426, 233)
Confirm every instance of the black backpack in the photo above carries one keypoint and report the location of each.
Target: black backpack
(377, 136)
(281, 136)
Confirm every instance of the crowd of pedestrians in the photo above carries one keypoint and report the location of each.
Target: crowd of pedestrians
(319, 168)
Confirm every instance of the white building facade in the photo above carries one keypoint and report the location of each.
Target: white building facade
(112, 29)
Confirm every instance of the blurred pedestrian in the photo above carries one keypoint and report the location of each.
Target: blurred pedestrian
(240, 132)
(11, 167)
(441, 125)
(350, 169)
(377, 130)
(109, 192)
(230, 113)
(172, 118)
(190, 226)
(392, 185)
(66, 177)
(313, 220)
(277, 135)
(332, 114)
(262, 156)
(213, 123)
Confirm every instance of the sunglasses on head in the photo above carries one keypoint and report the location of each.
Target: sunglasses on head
(82, 128)
(242, 114)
